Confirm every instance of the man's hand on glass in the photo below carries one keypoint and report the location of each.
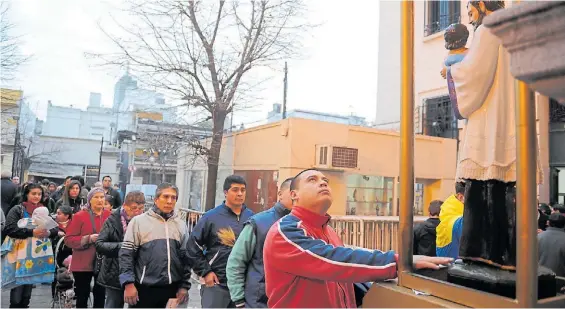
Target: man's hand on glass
(429, 262)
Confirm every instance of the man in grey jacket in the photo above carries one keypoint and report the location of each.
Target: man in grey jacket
(153, 266)
(552, 245)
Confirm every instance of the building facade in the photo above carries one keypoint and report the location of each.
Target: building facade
(433, 112)
(19, 126)
(55, 157)
(362, 165)
(148, 153)
(276, 115)
(93, 123)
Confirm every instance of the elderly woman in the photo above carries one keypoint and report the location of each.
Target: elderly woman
(82, 233)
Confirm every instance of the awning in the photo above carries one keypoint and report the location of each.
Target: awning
(55, 170)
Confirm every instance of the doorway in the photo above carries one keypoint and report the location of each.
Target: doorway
(557, 152)
(558, 185)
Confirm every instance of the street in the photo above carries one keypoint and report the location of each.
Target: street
(41, 297)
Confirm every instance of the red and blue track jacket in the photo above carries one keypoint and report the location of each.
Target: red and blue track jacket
(306, 265)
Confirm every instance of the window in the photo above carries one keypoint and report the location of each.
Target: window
(439, 14)
(369, 195)
(344, 157)
(556, 111)
(418, 199)
(438, 118)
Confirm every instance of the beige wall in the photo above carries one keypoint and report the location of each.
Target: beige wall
(289, 146)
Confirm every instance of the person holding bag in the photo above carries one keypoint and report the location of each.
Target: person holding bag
(82, 233)
(27, 254)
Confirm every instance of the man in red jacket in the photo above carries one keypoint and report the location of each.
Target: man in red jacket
(306, 264)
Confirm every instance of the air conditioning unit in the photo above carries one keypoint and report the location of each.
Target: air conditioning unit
(336, 157)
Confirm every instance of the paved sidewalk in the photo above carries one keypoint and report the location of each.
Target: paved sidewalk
(41, 297)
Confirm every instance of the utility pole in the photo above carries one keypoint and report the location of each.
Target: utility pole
(285, 88)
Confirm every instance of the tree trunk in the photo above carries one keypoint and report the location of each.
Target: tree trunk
(214, 158)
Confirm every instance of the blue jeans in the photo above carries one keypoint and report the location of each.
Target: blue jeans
(114, 298)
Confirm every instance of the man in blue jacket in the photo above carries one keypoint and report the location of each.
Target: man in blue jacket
(216, 233)
(245, 270)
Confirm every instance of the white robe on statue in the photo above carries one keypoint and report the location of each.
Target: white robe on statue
(483, 92)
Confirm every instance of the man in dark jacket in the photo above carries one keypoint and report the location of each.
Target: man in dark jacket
(425, 232)
(152, 259)
(9, 190)
(109, 243)
(245, 270)
(61, 189)
(552, 245)
(116, 200)
(216, 232)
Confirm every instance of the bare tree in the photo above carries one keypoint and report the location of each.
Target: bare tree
(162, 143)
(10, 55)
(204, 52)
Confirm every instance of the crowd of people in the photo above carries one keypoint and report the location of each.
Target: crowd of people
(145, 257)
(276, 258)
(440, 234)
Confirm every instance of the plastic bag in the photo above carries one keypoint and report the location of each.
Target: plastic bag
(40, 219)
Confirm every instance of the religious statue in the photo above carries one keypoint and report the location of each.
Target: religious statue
(481, 89)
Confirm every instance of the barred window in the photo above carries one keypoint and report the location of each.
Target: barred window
(439, 14)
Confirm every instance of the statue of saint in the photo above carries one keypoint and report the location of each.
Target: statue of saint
(482, 91)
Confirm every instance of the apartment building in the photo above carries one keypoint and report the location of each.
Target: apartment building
(433, 112)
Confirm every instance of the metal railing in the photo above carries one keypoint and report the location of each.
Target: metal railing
(370, 232)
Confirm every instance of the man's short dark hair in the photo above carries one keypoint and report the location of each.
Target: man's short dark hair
(557, 220)
(544, 208)
(164, 186)
(286, 183)
(560, 208)
(231, 179)
(435, 207)
(79, 178)
(68, 177)
(107, 176)
(460, 188)
(295, 180)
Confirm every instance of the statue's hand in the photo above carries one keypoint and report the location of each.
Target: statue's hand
(443, 72)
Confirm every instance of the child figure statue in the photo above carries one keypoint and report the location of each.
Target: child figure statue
(455, 36)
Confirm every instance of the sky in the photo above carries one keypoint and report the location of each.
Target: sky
(336, 72)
